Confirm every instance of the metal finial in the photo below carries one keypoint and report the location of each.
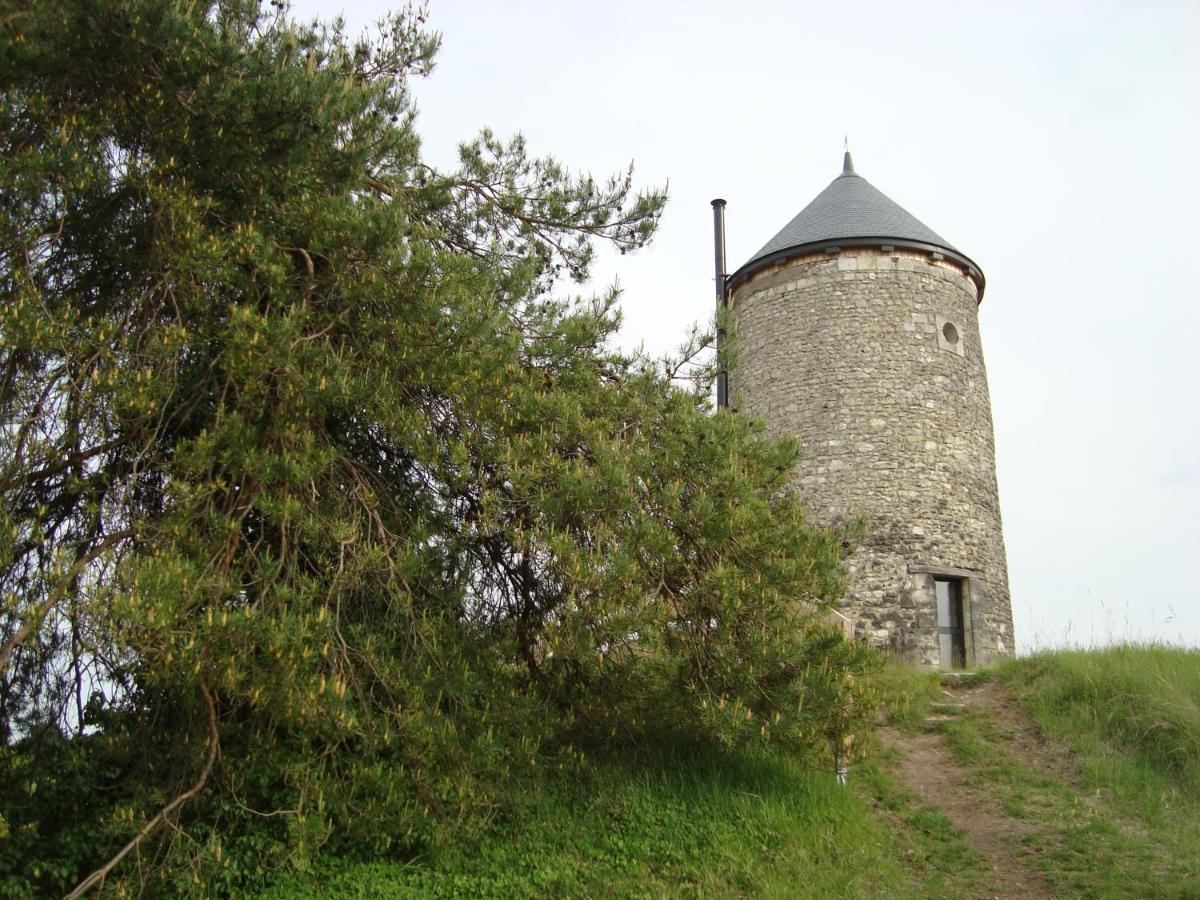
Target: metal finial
(847, 164)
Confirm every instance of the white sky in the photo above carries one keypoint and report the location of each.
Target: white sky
(1055, 143)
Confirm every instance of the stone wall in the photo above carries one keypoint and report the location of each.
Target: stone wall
(873, 360)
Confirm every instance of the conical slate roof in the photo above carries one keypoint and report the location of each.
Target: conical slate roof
(853, 212)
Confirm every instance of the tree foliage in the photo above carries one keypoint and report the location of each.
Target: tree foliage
(324, 513)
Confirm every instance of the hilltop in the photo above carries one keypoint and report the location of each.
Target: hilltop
(1061, 774)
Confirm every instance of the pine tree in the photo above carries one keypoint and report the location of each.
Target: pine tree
(319, 498)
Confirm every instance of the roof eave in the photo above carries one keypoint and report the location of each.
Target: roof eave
(778, 256)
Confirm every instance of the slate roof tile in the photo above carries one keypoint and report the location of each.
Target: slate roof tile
(850, 208)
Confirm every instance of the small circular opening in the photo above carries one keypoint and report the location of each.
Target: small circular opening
(950, 333)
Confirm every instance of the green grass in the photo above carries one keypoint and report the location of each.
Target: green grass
(1131, 715)
(905, 693)
(1132, 712)
(665, 819)
(928, 843)
(1125, 820)
(1079, 844)
(679, 821)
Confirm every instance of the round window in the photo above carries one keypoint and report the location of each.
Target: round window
(950, 333)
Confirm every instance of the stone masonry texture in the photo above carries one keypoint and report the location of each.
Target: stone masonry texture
(872, 359)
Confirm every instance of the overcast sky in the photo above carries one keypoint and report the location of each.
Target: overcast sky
(1055, 143)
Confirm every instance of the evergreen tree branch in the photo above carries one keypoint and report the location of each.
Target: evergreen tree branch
(35, 618)
(214, 744)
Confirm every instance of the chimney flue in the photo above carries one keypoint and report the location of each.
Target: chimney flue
(718, 206)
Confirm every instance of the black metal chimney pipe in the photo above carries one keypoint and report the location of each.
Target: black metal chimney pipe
(718, 206)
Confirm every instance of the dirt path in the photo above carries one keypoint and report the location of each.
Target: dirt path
(1022, 738)
(926, 765)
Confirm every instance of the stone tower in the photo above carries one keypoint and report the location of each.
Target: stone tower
(857, 331)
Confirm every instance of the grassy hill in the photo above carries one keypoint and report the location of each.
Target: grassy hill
(1093, 757)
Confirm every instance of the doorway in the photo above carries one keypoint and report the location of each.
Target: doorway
(952, 643)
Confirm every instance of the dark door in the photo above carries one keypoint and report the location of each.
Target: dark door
(952, 642)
